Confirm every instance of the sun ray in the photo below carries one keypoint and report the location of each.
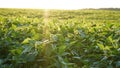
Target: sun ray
(45, 27)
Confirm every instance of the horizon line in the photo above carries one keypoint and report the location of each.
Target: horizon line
(57, 8)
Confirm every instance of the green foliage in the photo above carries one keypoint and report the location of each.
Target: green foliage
(68, 39)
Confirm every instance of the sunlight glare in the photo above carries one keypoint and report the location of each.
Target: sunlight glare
(59, 4)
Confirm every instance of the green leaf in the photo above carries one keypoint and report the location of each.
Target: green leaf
(14, 26)
(81, 33)
(27, 49)
(63, 62)
(104, 58)
(26, 41)
(107, 47)
(16, 51)
(76, 57)
(62, 49)
(110, 39)
(54, 38)
(101, 46)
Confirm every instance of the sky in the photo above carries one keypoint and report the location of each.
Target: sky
(60, 4)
